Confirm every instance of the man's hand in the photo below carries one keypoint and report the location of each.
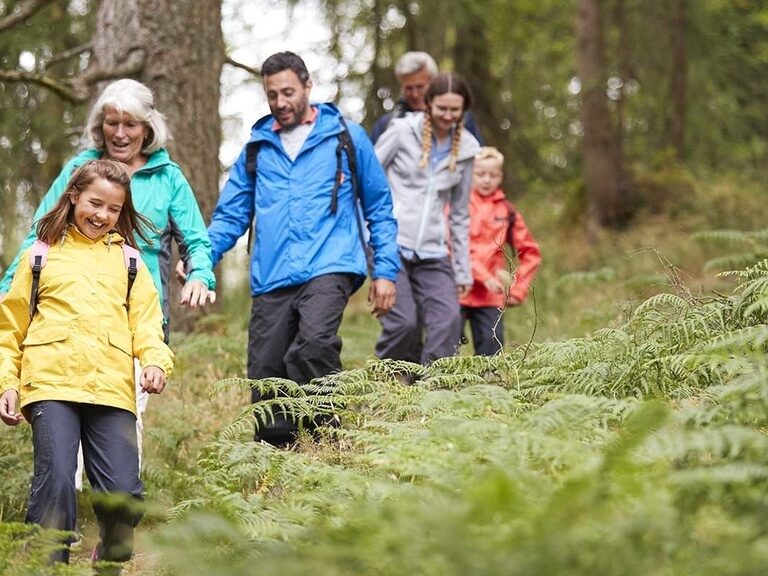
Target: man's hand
(195, 293)
(464, 290)
(381, 297)
(8, 412)
(152, 380)
(181, 273)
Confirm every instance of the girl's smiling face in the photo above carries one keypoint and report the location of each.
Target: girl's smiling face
(446, 110)
(97, 208)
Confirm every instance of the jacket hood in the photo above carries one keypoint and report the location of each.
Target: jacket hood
(110, 238)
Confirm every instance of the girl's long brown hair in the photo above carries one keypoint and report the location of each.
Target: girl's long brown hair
(447, 83)
(53, 226)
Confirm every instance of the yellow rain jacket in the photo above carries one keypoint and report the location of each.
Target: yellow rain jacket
(80, 345)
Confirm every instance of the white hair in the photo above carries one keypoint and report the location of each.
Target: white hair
(412, 62)
(136, 100)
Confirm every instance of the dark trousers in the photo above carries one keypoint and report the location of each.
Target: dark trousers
(487, 325)
(427, 302)
(111, 460)
(293, 334)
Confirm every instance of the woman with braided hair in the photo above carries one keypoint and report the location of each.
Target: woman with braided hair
(428, 160)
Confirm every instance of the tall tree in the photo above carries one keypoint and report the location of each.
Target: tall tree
(175, 47)
(678, 77)
(601, 164)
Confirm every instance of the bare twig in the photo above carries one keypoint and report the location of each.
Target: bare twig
(236, 64)
(133, 64)
(61, 89)
(23, 13)
(67, 54)
(78, 89)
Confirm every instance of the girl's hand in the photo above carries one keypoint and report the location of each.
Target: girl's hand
(8, 412)
(152, 380)
(195, 293)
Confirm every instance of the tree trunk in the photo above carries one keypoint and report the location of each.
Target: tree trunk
(679, 76)
(601, 163)
(182, 52)
(183, 56)
(472, 57)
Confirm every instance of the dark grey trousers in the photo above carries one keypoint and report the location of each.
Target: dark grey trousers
(487, 334)
(111, 460)
(427, 301)
(293, 334)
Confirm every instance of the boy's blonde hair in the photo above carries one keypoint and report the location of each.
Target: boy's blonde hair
(490, 153)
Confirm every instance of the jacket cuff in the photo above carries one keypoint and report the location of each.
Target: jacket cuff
(9, 383)
(163, 362)
(206, 277)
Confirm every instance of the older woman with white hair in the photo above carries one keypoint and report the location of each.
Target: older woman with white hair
(124, 125)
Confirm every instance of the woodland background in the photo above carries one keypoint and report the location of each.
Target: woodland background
(622, 432)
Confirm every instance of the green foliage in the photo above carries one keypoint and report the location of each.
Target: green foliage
(38, 130)
(637, 450)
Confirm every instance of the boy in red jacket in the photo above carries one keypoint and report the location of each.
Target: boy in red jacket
(494, 221)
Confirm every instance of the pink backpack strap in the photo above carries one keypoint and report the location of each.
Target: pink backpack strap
(39, 248)
(131, 252)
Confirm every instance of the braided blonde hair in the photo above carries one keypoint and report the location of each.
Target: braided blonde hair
(426, 141)
(447, 83)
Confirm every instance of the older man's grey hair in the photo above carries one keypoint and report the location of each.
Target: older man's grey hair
(135, 100)
(412, 62)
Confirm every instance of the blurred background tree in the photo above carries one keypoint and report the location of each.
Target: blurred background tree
(672, 90)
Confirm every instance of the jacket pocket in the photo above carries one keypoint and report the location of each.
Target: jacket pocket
(46, 334)
(48, 354)
(122, 341)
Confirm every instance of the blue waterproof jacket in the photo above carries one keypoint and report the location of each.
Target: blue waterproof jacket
(296, 236)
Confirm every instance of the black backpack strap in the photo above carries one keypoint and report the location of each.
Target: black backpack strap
(251, 163)
(346, 144)
(133, 269)
(37, 266)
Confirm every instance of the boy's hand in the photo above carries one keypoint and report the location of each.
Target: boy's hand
(8, 412)
(493, 286)
(513, 301)
(152, 380)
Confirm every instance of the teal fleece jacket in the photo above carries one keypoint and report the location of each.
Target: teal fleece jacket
(162, 193)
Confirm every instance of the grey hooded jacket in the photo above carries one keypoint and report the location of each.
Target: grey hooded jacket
(426, 199)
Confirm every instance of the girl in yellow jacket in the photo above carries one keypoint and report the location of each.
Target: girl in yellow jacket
(68, 361)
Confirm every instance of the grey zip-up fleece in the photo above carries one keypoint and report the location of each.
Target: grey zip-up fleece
(429, 205)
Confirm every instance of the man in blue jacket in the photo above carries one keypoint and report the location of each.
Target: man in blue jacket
(300, 188)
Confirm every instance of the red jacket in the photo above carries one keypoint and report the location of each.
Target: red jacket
(494, 222)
